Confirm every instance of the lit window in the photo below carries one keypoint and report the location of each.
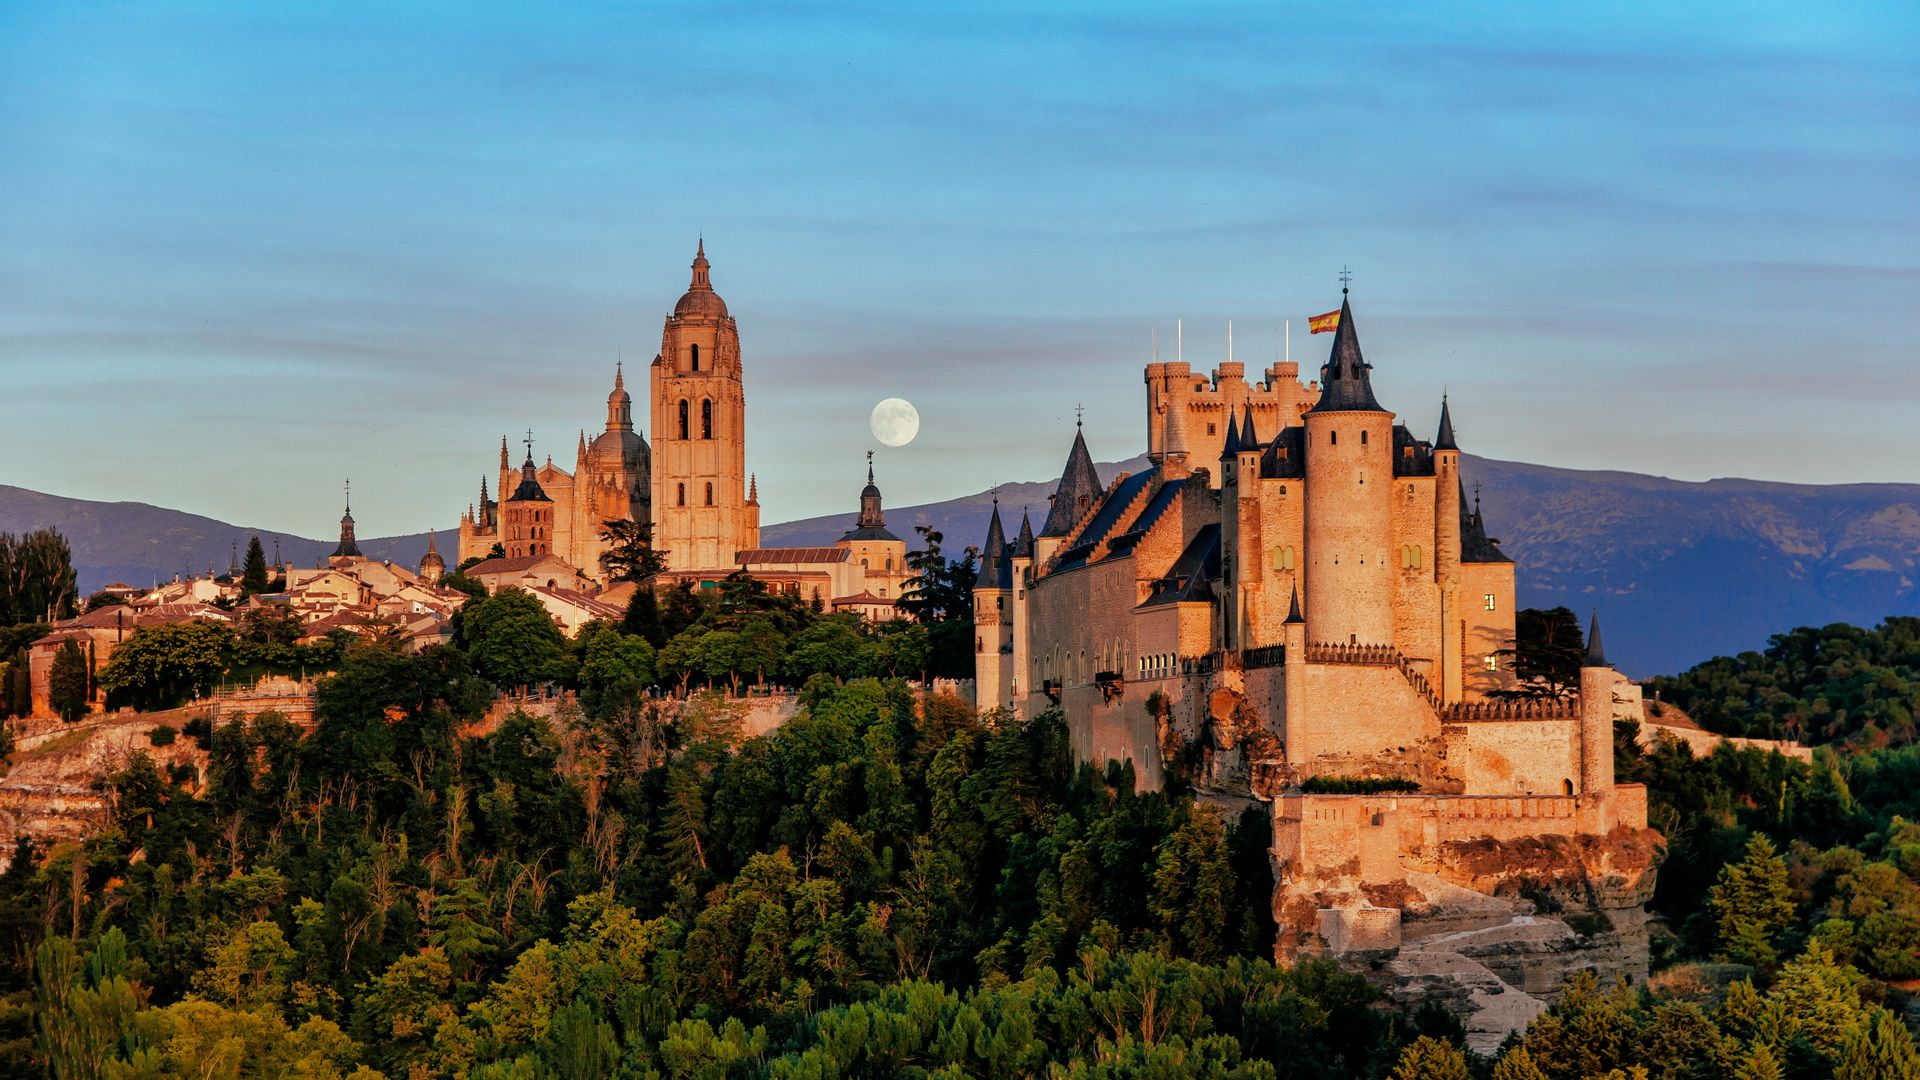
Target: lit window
(709, 494)
(1493, 662)
(1491, 605)
(706, 419)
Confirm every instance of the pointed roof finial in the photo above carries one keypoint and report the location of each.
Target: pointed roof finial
(1293, 609)
(1596, 653)
(620, 374)
(753, 488)
(349, 486)
(1232, 445)
(1079, 415)
(1346, 276)
(529, 441)
(869, 466)
(1444, 440)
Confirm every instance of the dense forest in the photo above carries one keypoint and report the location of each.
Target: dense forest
(1836, 683)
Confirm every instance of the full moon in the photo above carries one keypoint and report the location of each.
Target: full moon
(895, 421)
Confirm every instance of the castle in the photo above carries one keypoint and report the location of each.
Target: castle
(1295, 599)
(691, 487)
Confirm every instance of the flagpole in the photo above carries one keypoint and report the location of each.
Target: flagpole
(1179, 339)
(1289, 339)
(1229, 341)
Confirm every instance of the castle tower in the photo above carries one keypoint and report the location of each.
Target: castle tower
(348, 549)
(1596, 716)
(992, 619)
(1349, 515)
(700, 509)
(526, 517)
(1447, 510)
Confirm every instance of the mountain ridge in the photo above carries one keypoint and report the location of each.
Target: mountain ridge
(1680, 570)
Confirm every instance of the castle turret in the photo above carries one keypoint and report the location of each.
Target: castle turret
(993, 625)
(1349, 518)
(1079, 490)
(1446, 555)
(1597, 679)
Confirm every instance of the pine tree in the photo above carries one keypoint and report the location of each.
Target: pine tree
(1881, 1049)
(1751, 905)
(1427, 1058)
(1761, 1064)
(253, 580)
(68, 683)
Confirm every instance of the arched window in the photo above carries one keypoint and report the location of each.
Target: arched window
(1333, 438)
(1568, 784)
(694, 351)
(706, 418)
(680, 493)
(1363, 438)
(683, 418)
(709, 493)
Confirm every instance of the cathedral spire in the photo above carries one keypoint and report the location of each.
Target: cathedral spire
(700, 282)
(347, 549)
(871, 516)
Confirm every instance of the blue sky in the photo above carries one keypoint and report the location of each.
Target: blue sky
(247, 250)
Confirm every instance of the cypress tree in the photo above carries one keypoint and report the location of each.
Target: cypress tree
(253, 580)
(67, 682)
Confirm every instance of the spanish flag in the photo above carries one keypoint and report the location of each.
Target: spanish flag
(1324, 324)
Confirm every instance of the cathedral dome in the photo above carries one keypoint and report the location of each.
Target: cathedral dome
(700, 301)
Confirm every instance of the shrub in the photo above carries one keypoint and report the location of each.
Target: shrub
(162, 735)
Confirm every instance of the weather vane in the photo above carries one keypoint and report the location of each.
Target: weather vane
(1079, 415)
(529, 444)
(1345, 276)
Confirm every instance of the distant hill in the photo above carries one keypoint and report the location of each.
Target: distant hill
(141, 544)
(1680, 571)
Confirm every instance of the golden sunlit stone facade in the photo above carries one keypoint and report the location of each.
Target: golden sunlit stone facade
(691, 486)
(1296, 589)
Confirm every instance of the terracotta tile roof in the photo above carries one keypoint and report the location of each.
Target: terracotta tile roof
(510, 565)
(863, 599)
(761, 556)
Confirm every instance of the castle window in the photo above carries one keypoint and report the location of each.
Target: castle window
(1493, 662)
(1568, 785)
(683, 418)
(1363, 438)
(1490, 602)
(1333, 438)
(709, 493)
(1210, 429)
(706, 418)
(694, 352)
(680, 494)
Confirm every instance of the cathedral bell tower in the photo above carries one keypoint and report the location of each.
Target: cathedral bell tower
(702, 514)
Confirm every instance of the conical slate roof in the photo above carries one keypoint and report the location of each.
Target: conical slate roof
(1596, 654)
(1444, 440)
(1232, 445)
(1023, 543)
(1475, 547)
(995, 571)
(1344, 384)
(1079, 489)
(1248, 439)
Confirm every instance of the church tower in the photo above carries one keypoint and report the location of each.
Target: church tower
(702, 515)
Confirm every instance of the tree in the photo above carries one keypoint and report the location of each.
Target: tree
(630, 554)
(1547, 653)
(511, 638)
(940, 594)
(254, 580)
(163, 666)
(1751, 905)
(69, 685)
(37, 581)
(1427, 1058)
(1881, 1049)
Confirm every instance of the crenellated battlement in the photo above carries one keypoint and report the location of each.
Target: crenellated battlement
(1566, 708)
